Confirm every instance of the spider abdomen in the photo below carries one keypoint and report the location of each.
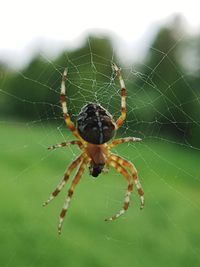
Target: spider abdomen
(95, 124)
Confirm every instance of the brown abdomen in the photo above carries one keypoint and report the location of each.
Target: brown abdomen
(95, 124)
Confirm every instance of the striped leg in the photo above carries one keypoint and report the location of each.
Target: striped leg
(75, 142)
(63, 101)
(123, 171)
(73, 165)
(133, 171)
(123, 140)
(70, 193)
(123, 96)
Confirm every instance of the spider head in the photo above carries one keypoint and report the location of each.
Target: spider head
(96, 169)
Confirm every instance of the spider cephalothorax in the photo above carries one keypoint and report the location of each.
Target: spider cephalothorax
(95, 127)
(98, 155)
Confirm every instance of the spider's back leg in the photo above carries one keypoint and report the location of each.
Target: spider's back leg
(122, 117)
(63, 101)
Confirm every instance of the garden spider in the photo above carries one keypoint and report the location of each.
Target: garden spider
(95, 127)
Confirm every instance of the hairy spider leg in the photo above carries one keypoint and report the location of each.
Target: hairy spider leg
(134, 174)
(123, 140)
(63, 144)
(63, 101)
(70, 193)
(59, 187)
(122, 117)
(123, 171)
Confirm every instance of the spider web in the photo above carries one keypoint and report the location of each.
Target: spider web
(91, 79)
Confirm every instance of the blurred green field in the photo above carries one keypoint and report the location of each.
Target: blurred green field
(165, 233)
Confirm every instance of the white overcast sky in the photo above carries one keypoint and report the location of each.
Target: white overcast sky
(62, 23)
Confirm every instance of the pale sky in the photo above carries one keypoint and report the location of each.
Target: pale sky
(56, 24)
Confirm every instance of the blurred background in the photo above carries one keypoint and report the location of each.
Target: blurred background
(157, 45)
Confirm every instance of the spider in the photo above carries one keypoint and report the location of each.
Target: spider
(95, 127)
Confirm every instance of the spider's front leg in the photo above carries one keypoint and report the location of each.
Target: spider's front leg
(59, 187)
(70, 193)
(134, 175)
(129, 179)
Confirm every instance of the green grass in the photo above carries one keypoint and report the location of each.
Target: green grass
(165, 233)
